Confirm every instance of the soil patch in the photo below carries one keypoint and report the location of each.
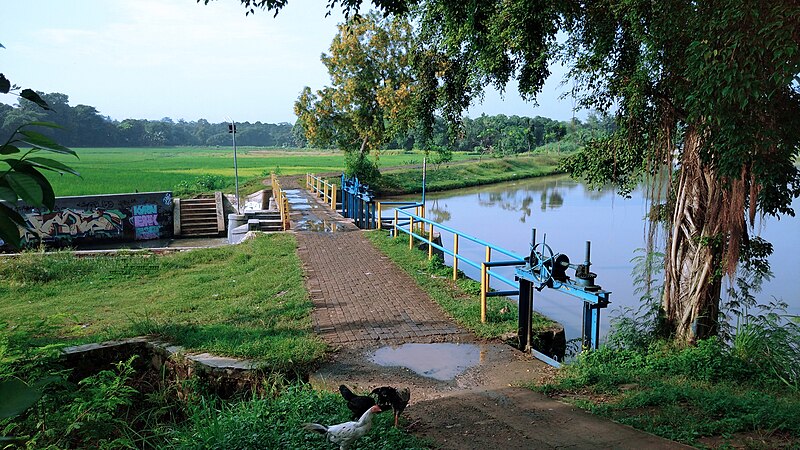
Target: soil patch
(484, 406)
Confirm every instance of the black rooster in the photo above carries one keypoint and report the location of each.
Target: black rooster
(397, 399)
(357, 404)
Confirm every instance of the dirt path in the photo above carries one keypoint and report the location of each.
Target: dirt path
(366, 306)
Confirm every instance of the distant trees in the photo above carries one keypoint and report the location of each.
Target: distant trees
(84, 126)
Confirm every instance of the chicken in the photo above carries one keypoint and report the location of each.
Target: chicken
(357, 404)
(346, 433)
(391, 397)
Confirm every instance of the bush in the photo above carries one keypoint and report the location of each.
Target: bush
(202, 184)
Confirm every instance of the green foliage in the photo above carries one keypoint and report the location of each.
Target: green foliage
(85, 126)
(361, 166)
(17, 397)
(639, 328)
(682, 393)
(458, 175)
(368, 102)
(93, 415)
(203, 300)
(277, 423)
(23, 179)
(203, 184)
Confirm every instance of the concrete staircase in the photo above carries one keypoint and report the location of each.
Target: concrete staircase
(200, 216)
(264, 220)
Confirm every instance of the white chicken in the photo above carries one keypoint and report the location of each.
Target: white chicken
(346, 433)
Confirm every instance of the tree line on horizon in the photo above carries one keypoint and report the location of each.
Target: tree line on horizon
(85, 126)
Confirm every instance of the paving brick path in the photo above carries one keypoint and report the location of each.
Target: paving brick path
(361, 298)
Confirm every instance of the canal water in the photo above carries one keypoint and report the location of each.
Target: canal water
(567, 214)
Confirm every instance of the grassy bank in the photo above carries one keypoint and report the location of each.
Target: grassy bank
(708, 396)
(461, 298)
(472, 173)
(246, 300)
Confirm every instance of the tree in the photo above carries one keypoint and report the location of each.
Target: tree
(707, 103)
(370, 97)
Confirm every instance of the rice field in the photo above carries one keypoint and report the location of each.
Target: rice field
(124, 170)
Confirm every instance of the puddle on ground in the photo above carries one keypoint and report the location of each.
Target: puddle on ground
(316, 225)
(442, 361)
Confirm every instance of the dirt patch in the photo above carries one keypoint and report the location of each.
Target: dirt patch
(485, 405)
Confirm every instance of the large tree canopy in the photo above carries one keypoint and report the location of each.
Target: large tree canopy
(707, 102)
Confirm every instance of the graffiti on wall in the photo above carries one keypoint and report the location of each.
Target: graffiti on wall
(145, 222)
(73, 223)
(115, 217)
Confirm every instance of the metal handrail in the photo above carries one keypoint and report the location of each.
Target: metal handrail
(322, 188)
(281, 201)
(485, 266)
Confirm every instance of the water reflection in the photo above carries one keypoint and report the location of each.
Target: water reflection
(567, 214)
(437, 211)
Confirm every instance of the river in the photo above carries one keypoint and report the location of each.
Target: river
(567, 214)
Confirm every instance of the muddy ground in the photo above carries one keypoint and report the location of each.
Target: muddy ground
(484, 406)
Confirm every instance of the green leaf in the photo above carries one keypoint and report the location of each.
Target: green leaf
(10, 222)
(8, 195)
(5, 85)
(45, 124)
(48, 196)
(8, 149)
(29, 94)
(26, 186)
(17, 397)
(38, 140)
(50, 164)
(12, 215)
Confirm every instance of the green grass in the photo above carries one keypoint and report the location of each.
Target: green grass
(684, 394)
(457, 175)
(125, 170)
(277, 423)
(246, 300)
(461, 298)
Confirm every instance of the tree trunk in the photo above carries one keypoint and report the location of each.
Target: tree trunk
(695, 247)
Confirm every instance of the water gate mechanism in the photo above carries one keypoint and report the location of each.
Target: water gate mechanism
(547, 269)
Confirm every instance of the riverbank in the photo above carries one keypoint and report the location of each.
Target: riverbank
(447, 176)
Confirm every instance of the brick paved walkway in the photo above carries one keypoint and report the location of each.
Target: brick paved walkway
(361, 298)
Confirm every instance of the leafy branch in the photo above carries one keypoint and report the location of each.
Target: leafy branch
(23, 179)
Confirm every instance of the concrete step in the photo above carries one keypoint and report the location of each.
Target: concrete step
(200, 216)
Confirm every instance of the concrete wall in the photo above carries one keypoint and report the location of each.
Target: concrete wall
(107, 218)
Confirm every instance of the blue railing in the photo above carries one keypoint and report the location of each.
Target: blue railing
(416, 226)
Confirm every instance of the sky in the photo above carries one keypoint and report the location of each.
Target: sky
(150, 59)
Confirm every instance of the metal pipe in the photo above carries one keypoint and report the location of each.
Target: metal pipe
(411, 234)
(455, 257)
(484, 289)
(588, 254)
(430, 241)
(424, 173)
(235, 167)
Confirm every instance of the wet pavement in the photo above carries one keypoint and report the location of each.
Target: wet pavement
(442, 361)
